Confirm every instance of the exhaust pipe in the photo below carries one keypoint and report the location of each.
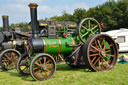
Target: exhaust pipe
(5, 23)
(34, 22)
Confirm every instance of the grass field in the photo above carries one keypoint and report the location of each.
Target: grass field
(68, 76)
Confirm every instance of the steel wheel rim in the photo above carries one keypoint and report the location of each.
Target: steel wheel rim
(45, 68)
(88, 29)
(9, 59)
(101, 56)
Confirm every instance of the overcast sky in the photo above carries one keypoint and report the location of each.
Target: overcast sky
(18, 10)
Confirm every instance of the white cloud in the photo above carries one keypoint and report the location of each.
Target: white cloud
(21, 13)
(52, 11)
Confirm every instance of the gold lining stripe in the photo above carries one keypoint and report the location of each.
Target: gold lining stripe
(45, 47)
(60, 46)
(73, 44)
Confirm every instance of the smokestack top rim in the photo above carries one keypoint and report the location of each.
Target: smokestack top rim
(4, 16)
(33, 5)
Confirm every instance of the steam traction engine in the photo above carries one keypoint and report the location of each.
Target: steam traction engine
(11, 45)
(83, 46)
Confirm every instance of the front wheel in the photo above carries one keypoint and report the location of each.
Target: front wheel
(42, 67)
(8, 59)
(22, 65)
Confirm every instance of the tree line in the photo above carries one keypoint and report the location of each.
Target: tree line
(113, 14)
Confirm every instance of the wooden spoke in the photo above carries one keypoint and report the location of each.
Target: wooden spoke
(96, 61)
(37, 64)
(40, 61)
(104, 45)
(89, 24)
(37, 72)
(44, 59)
(102, 42)
(48, 70)
(45, 73)
(84, 34)
(94, 27)
(93, 59)
(102, 63)
(96, 44)
(94, 48)
(108, 46)
(110, 55)
(50, 66)
(108, 59)
(36, 68)
(41, 75)
(84, 27)
(94, 54)
(99, 64)
(99, 44)
(108, 51)
(47, 62)
(105, 61)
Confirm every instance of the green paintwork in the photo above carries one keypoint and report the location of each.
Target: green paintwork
(53, 45)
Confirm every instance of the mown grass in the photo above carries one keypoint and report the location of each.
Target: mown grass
(66, 75)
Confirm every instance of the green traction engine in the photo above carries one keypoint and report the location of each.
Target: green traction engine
(79, 46)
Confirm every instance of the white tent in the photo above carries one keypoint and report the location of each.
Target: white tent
(121, 37)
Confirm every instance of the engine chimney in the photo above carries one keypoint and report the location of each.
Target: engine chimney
(5, 23)
(34, 22)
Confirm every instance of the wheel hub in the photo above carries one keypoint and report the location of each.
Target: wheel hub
(10, 61)
(44, 67)
(102, 53)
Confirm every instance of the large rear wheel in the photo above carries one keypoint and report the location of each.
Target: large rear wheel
(100, 52)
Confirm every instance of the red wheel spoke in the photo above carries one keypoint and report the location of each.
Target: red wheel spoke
(48, 70)
(44, 59)
(108, 46)
(110, 55)
(94, 48)
(37, 64)
(108, 51)
(36, 68)
(94, 54)
(105, 61)
(96, 44)
(108, 59)
(40, 61)
(99, 64)
(41, 75)
(38, 72)
(104, 45)
(102, 63)
(93, 59)
(99, 44)
(47, 62)
(96, 61)
(45, 73)
(102, 42)
(50, 66)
